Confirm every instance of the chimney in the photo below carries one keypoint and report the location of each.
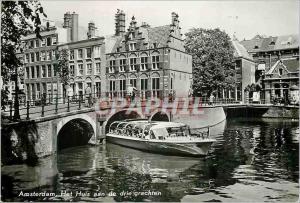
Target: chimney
(68, 24)
(120, 23)
(74, 36)
(91, 30)
(175, 20)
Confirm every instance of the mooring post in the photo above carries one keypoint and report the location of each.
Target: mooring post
(43, 105)
(27, 115)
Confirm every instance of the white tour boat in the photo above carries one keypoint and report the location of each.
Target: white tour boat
(160, 137)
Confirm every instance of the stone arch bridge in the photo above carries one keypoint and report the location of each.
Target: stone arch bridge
(47, 135)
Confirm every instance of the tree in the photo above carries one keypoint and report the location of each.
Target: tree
(18, 18)
(62, 67)
(213, 60)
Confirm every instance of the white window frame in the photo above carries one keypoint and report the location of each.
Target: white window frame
(79, 69)
(132, 66)
(98, 68)
(89, 71)
(122, 66)
(144, 64)
(155, 63)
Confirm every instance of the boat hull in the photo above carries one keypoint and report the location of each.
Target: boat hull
(172, 148)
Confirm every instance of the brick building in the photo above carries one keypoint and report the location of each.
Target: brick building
(278, 64)
(245, 71)
(39, 57)
(86, 63)
(152, 59)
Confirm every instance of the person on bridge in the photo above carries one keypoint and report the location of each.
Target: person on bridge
(88, 95)
(131, 91)
(211, 99)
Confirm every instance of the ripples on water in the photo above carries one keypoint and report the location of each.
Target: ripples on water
(251, 161)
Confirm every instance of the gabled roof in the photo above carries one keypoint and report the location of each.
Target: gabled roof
(240, 50)
(290, 64)
(159, 35)
(271, 43)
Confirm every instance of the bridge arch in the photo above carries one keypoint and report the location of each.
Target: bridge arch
(122, 115)
(159, 115)
(75, 131)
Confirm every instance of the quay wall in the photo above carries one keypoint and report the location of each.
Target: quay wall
(286, 112)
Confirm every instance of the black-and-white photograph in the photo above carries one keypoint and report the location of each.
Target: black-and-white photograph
(150, 101)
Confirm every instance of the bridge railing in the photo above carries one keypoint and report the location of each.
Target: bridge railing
(58, 103)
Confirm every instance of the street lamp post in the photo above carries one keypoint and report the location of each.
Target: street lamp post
(16, 103)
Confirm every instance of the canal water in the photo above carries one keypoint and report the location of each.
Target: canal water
(252, 161)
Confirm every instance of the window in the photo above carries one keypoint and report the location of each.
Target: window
(144, 84)
(155, 83)
(54, 40)
(43, 71)
(122, 85)
(37, 43)
(27, 58)
(48, 55)
(27, 73)
(49, 69)
(43, 42)
(37, 71)
(112, 64)
(132, 64)
(155, 62)
(32, 72)
(122, 65)
(80, 69)
(88, 53)
(144, 63)
(280, 71)
(43, 56)
(31, 57)
(132, 47)
(71, 54)
(37, 56)
(48, 41)
(89, 69)
(98, 68)
(72, 70)
(255, 47)
(53, 54)
(132, 82)
(98, 88)
(80, 54)
(97, 52)
(112, 85)
(31, 44)
(54, 71)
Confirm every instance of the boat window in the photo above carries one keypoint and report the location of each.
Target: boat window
(178, 131)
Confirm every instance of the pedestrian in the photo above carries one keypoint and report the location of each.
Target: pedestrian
(88, 95)
(211, 99)
(131, 92)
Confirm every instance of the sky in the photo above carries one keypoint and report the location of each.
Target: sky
(243, 18)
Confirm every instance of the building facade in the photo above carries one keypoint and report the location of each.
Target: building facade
(151, 59)
(86, 65)
(39, 58)
(277, 61)
(245, 71)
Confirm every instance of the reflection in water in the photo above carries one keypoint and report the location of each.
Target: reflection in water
(251, 161)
